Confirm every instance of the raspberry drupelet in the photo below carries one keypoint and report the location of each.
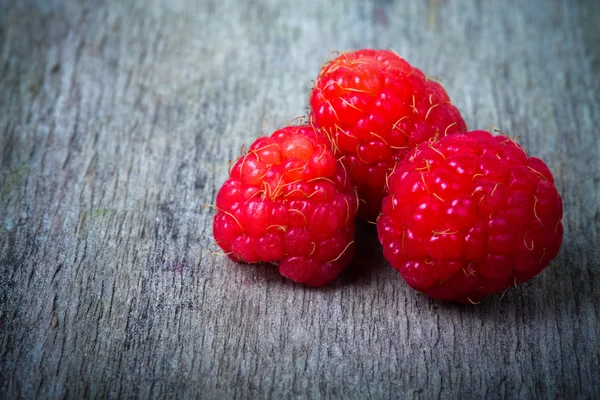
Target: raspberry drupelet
(375, 107)
(289, 201)
(470, 215)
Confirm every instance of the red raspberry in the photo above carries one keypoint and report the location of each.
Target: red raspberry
(290, 202)
(470, 215)
(375, 107)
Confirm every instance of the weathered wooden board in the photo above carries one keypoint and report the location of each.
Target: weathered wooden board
(117, 120)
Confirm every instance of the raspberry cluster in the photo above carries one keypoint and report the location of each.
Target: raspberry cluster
(460, 214)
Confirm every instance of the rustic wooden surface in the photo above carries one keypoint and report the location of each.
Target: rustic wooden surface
(117, 120)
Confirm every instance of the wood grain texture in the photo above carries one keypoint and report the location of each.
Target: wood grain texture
(117, 120)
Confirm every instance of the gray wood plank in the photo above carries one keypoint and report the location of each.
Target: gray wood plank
(117, 120)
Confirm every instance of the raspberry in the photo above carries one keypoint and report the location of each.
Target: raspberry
(375, 107)
(289, 201)
(470, 215)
